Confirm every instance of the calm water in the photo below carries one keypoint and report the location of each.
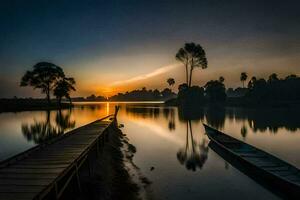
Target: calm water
(173, 142)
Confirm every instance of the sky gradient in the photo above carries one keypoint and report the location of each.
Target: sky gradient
(115, 46)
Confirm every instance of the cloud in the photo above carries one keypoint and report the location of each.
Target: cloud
(156, 72)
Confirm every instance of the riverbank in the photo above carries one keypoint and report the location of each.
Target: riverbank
(111, 178)
(15, 105)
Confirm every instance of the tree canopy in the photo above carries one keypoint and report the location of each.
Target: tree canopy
(191, 55)
(243, 77)
(171, 81)
(48, 77)
(63, 88)
(215, 91)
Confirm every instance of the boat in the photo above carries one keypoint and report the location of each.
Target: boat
(280, 177)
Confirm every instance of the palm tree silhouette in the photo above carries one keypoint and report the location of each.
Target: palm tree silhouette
(191, 55)
(221, 79)
(171, 81)
(243, 78)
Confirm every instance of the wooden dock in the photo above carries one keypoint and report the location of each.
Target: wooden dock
(45, 171)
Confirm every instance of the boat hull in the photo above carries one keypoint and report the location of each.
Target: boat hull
(275, 184)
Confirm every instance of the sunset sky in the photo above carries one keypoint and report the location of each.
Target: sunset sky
(115, 46)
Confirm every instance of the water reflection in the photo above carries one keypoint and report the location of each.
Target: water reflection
(215, 117)
(193, 155)
(169, 114)
(256, 119)
(43, 130)
(188, 113)
(268, 119)
(244, 132)
(144, 112)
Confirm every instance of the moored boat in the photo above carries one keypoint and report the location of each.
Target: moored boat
(276, 174)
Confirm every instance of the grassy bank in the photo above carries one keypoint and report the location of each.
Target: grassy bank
(110, 179)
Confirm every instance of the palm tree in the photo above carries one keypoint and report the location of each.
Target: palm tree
(44, 76)
(243, 78)
(221, 79)
(63, 89)
(191, 55)
(171, 81)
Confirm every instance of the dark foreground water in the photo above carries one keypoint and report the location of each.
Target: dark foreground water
(173, 142)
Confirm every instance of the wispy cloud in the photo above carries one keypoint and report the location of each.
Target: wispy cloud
(156, 72)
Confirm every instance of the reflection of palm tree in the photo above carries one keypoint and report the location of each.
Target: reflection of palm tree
(244, 132)
(190, 156)
(41, 131)
(182, 154)
(172, 125)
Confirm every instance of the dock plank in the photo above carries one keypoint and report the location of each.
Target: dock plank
(31, 174)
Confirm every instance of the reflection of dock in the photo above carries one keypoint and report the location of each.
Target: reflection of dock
(46, 171)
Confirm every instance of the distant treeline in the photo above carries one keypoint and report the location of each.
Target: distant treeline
(144, 95)
(135, 95)
(273, 91)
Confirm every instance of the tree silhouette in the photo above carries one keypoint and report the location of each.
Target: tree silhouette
(221, 79)
(252, 82)
(215, 90)
(292, 76)
(43, 76)
(273, 77)
(171, 81)
(63, 88)
(191, 55)
(274, 90)
(243, 78)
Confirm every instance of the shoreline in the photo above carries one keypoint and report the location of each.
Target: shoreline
(17, 105)
(113, 178)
